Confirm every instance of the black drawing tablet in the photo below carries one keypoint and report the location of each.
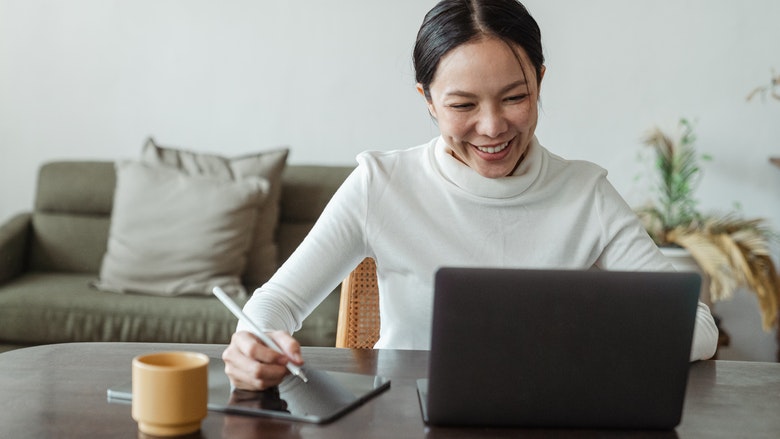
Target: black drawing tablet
(324, 398)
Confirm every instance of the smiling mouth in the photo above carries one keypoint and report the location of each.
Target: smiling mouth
(493, 149)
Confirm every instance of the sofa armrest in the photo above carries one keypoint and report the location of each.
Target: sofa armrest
(14, 239)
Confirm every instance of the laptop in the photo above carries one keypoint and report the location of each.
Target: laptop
(559, 348)
(327, 396)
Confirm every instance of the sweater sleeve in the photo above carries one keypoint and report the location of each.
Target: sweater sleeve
(629, 247)
(334, 246)
(705, 334)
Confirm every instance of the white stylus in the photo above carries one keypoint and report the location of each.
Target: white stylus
(236, 310)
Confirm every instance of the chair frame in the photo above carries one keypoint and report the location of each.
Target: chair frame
(358, 320)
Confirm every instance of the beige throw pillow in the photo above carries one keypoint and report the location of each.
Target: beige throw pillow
(173, 233)
(262, 255)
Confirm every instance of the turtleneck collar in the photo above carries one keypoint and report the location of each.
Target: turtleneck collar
(469, 181)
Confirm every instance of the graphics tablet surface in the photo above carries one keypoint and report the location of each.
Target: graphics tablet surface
(324, 398)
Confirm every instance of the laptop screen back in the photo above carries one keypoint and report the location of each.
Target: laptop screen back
(560, 348)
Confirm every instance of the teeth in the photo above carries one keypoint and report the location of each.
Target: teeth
(493, 149)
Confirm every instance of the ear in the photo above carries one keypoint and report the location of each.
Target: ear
(428, 102)
(539, 82)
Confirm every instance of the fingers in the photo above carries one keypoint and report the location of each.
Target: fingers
(251, 365)
(289, 345)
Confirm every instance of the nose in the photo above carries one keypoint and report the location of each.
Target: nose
(492, 122)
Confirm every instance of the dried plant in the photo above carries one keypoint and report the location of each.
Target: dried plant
(733, 252)
(770, 89)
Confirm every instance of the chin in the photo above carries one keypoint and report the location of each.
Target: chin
(494, 172)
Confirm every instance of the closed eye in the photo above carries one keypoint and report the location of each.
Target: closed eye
(516, 98)
(466, 106)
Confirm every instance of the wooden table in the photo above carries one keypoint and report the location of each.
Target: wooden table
(59, 391)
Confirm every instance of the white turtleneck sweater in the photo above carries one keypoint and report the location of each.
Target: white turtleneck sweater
(419, 209)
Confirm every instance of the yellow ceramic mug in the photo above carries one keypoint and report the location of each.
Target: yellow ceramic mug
(170, 392)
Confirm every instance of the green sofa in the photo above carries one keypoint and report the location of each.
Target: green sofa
(49, 257)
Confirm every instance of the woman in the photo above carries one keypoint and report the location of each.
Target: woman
(484, 193)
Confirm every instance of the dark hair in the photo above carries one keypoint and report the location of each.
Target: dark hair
(454, 22)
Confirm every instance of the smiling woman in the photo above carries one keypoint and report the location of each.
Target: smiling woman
(486, 115)
(483, 193)
(483, 86)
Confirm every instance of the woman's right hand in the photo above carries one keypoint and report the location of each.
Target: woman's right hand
(251, 365)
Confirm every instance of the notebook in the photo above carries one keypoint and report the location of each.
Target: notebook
(559, 348)
(327, 396)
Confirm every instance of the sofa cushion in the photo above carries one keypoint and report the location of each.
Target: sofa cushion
(61, 307)
(173, 233)
(38, 308)
(263, 252)
(305, 192)
(71, 217)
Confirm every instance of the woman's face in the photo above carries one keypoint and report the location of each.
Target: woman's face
(485, 105)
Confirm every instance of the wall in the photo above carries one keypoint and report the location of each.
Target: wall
(93, 78)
